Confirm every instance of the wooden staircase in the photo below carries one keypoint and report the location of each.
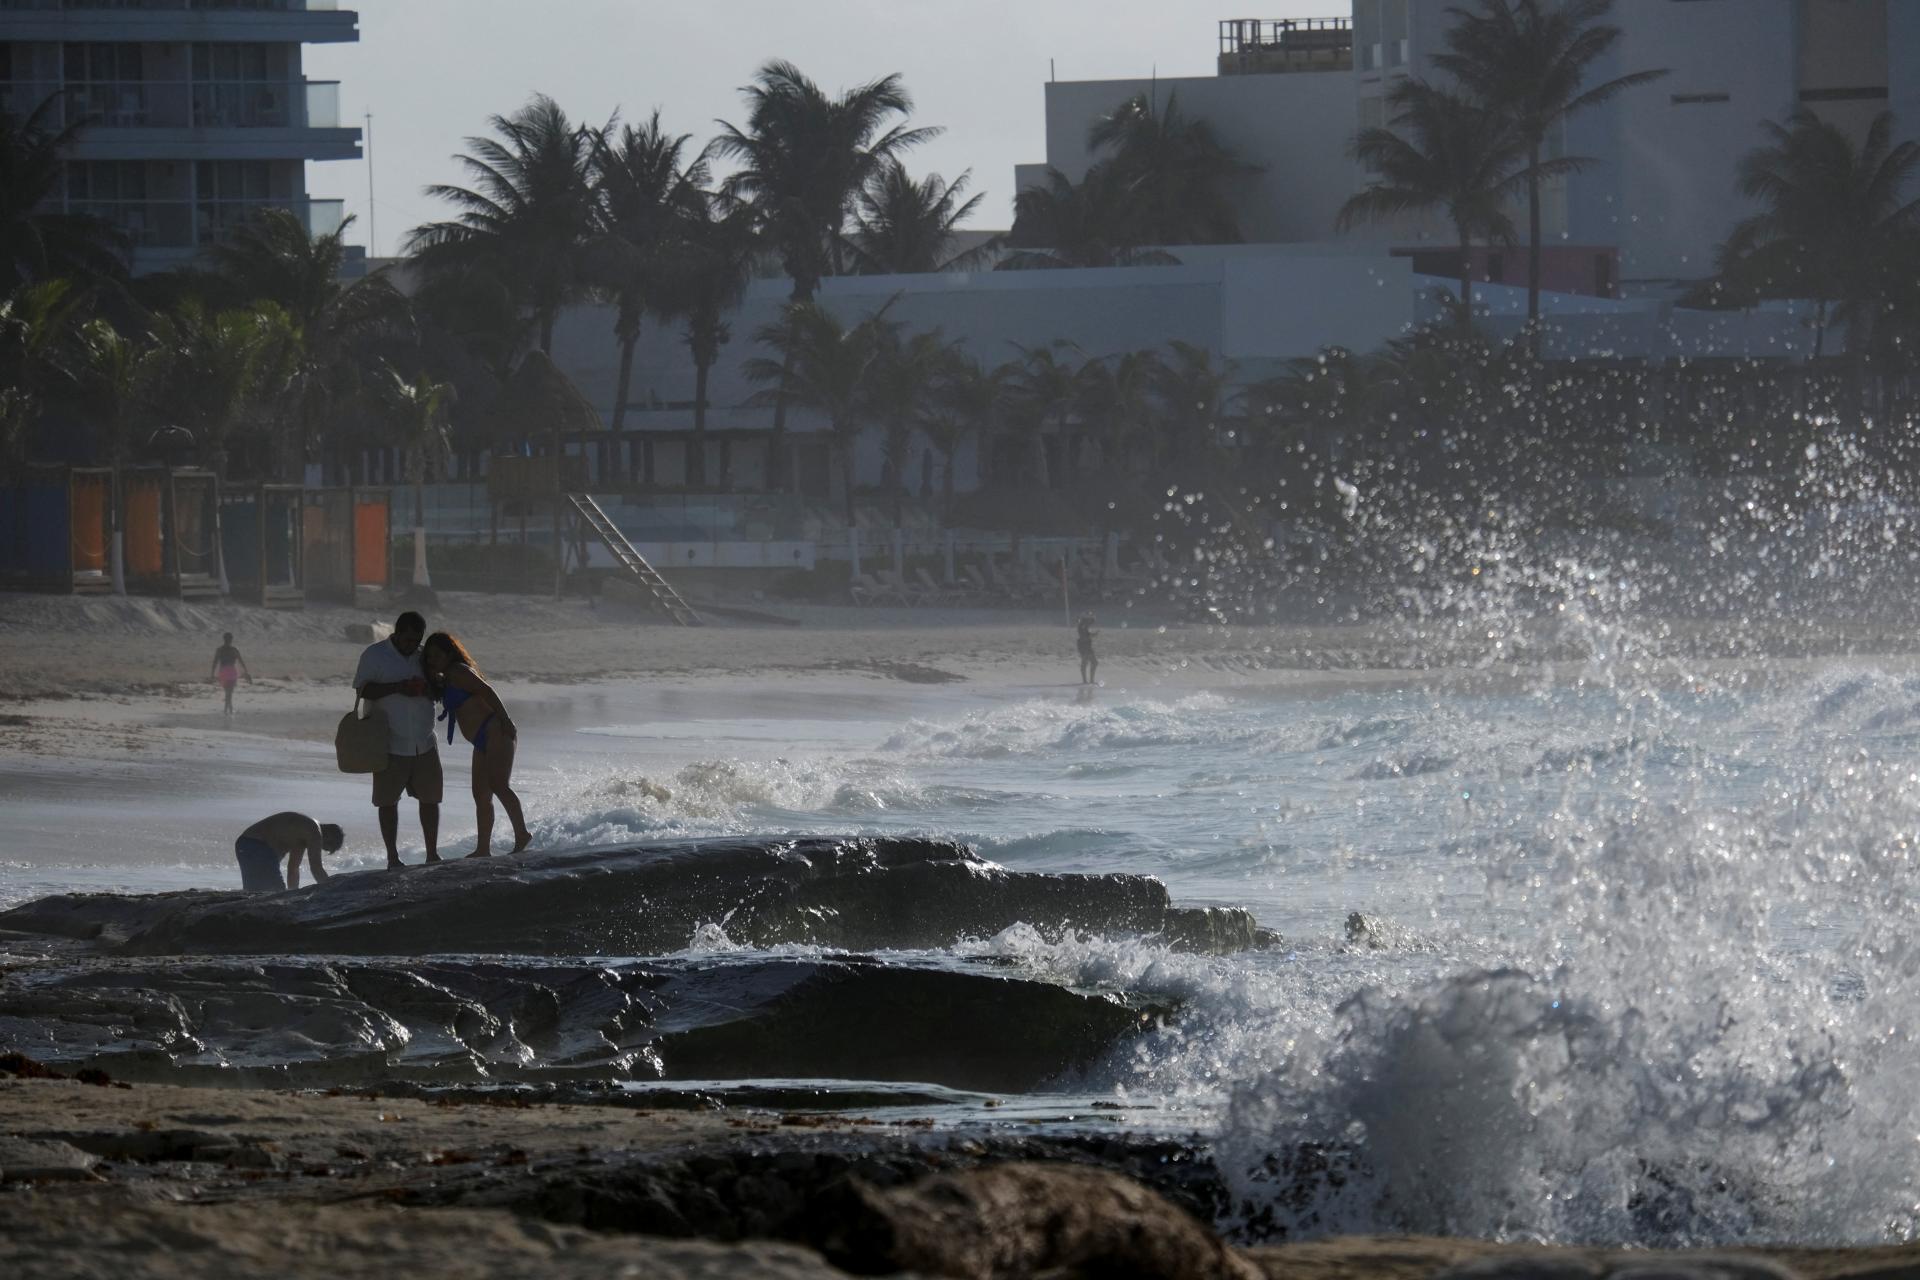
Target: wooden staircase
(632, 561)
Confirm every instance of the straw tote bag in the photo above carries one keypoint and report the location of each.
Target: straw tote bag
(360, 743)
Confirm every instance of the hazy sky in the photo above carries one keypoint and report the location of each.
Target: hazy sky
(433, 71)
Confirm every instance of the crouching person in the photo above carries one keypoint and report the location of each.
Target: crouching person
(262, 846)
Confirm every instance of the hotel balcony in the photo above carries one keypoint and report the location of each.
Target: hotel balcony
(194, 120)
(158, 21)
(190, 225)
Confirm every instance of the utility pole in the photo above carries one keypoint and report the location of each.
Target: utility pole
(373, 223)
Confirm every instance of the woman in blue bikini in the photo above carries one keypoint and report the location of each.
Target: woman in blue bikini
(471, 703)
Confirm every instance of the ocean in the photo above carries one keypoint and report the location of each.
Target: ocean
(1610, 950)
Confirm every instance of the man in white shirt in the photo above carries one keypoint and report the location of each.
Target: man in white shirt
(389, 674)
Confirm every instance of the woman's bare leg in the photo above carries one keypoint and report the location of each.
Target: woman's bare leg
(482, 808)
(500, 778)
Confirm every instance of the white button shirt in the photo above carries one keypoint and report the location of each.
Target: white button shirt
(409, 720)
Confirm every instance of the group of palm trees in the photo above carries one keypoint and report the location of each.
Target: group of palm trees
(260, 355)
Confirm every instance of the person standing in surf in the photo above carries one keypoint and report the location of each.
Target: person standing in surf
(228, 666)
(1089, 664)
(471, 704)
(390, 674)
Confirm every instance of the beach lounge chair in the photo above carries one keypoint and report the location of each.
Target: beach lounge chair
(899, 591)
(977, 580)
(934, 593)
(865, 590)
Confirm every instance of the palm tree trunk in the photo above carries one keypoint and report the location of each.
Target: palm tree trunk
(700, 371)
(547, 318)
(847, 442)
(1533, 241)
(1466, 284)
(946, 486)
(777, 449)
(629, 339)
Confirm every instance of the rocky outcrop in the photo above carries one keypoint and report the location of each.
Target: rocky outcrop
(306, 1022)
(647, 900)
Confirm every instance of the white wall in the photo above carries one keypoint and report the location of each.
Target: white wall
(1295, 125)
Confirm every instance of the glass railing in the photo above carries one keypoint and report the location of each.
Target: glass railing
(176, 104)
(194, 224)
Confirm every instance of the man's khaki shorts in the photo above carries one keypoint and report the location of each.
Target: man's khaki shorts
(418, 776)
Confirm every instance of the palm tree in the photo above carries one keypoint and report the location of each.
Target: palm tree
(213, 361)
(904, 227)
(716, 244)
(826, 367)
(114, 381)
(1085, 224)
(1116, 396)
(1527, 61)
(962, 402)
(37, 327)
(643, 188)
(332, 326)
(527, 216)
(1193, 395)
(37, 240)
(1042, 391)
(1172, 172)
(1833, 217)
(1445, 153)
(416, 410)
(897, 390)
(803, 159)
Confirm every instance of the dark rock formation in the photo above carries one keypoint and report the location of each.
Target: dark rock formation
(648, 900)
(357, 1021)
(1026, 1220)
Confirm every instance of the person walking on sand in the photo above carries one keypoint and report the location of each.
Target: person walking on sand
(1089, 664)
(391, 675)
(284, 835)
(472, 704)
(228, 666)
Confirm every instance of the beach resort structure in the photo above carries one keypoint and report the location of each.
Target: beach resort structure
(1620, 238)
(200, 114)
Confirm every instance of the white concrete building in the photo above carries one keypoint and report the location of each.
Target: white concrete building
(1663, 190)
(199, 110)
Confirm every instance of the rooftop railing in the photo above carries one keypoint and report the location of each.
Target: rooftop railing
(181, 104)
(1253, 45)
(205, 6)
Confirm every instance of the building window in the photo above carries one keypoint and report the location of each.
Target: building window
(82, 63)
(235, 179)
(1872, 94)
(231, 62)
(106, 180)
(1699, 99)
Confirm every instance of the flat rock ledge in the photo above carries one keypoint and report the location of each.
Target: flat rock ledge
(855, 893)
(445, 1021)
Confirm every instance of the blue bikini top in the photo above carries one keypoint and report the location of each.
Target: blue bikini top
(451, 699)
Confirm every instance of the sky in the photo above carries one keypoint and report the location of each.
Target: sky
(432, 72)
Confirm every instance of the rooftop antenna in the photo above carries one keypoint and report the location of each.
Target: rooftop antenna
(1051, 77)
(373, 223)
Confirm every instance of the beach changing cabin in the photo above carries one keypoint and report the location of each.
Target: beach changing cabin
(56, 530)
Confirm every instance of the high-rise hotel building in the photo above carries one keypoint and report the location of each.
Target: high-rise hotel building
(196, 111)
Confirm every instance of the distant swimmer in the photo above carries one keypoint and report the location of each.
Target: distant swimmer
(1089, 664)
(472, 705)
(261, 847)
(228, 667)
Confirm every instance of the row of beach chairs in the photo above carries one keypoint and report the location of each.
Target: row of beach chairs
(995, 584)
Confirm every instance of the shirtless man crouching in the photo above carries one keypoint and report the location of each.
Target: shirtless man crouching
(284, 835)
